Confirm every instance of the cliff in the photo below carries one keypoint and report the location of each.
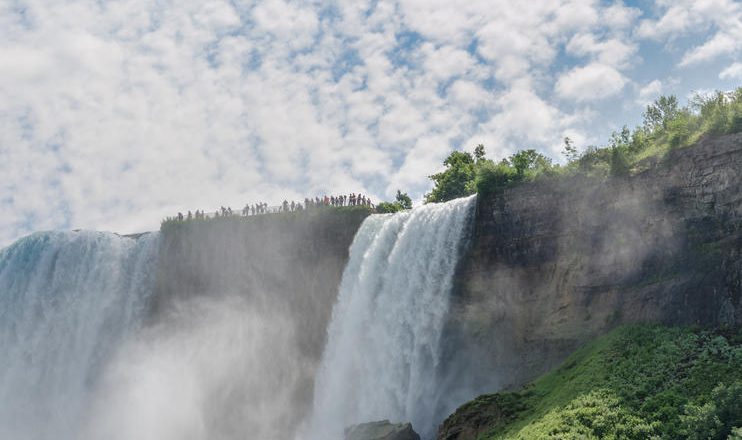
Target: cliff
(558, 262)
(289, 260)
(274, 279)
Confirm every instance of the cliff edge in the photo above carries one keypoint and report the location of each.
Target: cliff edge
(558, 262)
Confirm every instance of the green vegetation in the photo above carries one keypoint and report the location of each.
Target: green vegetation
(666, 126)
(466, 174)
(402, 201)
(638, 382)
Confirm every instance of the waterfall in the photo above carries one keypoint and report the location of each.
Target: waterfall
(383, 349)
(67, 299)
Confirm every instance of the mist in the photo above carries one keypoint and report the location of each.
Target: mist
(210, 369)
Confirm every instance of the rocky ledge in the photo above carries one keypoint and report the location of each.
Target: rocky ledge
(382, 430)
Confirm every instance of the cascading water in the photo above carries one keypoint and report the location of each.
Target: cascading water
(66, 301)
(383, 340)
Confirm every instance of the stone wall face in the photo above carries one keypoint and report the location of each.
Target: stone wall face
(556, 263)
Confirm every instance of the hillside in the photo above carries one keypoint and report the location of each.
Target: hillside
(637, 382)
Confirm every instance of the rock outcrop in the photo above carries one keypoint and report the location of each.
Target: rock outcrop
(382, 430)
(556, 263)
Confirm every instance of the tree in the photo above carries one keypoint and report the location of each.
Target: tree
(479, 153)
(659, 113)
(620, 138)
(404, 201)
(456, 181)
(570, 151)
(620, 166)
(527, 160)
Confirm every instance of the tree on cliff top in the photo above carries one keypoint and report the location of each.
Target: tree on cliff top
(457, 180)
(402, 201)
(466, 174)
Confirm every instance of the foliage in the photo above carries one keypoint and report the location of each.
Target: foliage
(467, 174)
(388, 207)
(457, 180)
(666, 126)
(638, 382)
(402, 201)
(570, 151)
(715, 418)
(526, 161)
(657, 114)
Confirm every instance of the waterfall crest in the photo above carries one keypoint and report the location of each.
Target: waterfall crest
(383, 349)
(66, 301)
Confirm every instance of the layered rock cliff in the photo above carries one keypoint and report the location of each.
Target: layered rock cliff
(558, 262)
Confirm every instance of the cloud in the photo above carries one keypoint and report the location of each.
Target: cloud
(734, 71)
(589, 83)
(719, 21)
(720, 44)
(612, 52)
(115, 115)
(649, 92)
(619, 16)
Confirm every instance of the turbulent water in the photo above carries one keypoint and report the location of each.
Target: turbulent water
(383, 345)
(66, 301)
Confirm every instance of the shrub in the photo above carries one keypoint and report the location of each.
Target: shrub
(388, 207)
(491, 177)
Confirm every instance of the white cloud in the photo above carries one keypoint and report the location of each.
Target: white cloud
(613, 52)
(591, 82)
(734, 71)
(619, 16)
(114, 115)
(720, 44)
(719, 21)
(649, 92)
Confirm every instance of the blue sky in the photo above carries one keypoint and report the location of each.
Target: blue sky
(116, 114)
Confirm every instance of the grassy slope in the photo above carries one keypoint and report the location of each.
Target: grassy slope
(637, 382)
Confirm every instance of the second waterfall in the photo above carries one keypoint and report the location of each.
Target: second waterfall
(383, 345)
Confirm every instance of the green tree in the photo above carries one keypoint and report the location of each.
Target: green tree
(388, 207)
(716, 418)
(570, 151)
(529, 160)
(457, 180)
(404, 201)
(659, 113)
(620, 165)
(479, 153)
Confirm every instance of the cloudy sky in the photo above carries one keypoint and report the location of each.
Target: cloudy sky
(114, 114)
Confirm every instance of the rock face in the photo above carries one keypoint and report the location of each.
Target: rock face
(290, 261)
(282, 269)
(556, 263)
(383, 430)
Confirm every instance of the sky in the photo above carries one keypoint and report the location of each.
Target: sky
(115, 114)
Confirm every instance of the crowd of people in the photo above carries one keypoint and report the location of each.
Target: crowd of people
(351, 199)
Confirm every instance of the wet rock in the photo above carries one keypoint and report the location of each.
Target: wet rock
(382, 430)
